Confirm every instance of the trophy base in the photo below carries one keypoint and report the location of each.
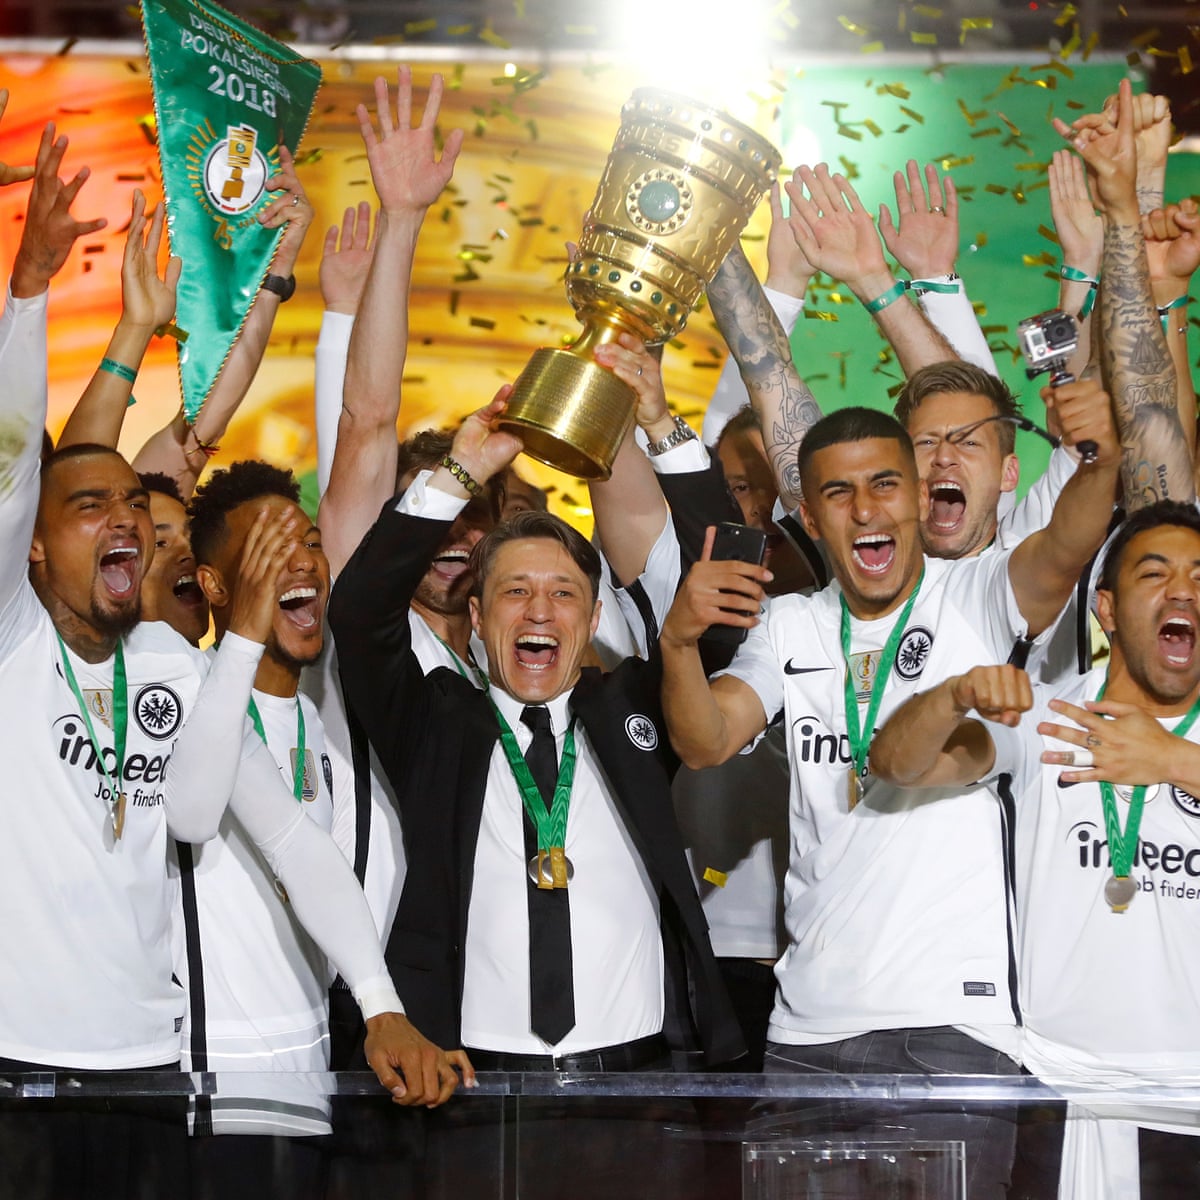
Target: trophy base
(570, 413)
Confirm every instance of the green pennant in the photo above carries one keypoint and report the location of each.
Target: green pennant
(225, 95)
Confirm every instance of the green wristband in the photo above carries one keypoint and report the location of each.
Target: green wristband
(1178, 302)
(118, 369)
(893, 293)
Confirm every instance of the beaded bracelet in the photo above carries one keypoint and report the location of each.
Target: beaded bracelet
(1075, 275)
(463, 476)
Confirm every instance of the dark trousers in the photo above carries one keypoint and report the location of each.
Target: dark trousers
(84, 1149)
(988, 1132)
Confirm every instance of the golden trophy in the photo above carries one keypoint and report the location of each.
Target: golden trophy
(678, 188)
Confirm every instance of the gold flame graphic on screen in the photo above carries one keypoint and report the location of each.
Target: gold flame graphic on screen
(241, 139)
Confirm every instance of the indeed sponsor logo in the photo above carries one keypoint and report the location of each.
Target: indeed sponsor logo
(76, 750)
(815, 744)
(1170, 858)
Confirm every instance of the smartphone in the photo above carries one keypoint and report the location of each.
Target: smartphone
(742, 543)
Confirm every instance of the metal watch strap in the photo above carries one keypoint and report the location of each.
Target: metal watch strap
(680, 434)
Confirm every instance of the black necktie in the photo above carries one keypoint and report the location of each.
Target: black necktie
(551, 986)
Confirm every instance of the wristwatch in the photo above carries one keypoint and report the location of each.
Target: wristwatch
(680, 434)
(284, 286)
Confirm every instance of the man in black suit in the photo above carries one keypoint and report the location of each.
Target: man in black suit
(613, 970)
(607, 974)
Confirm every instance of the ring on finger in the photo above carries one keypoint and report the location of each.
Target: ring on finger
(295, 200)
(940, 211)
(639, 370)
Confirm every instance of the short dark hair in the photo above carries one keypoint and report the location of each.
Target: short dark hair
(1153, 516)
(743, 421)
(156, 481)
(77, 450)
(424, 451)
(855, 424)
(534, 524)
(938, 379)
(226, 490)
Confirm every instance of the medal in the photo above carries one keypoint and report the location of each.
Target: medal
(551, 868)
(119, 724)
(1118, 891)
(854, 789)
(117, 816)
(299, 754)
(858, 668)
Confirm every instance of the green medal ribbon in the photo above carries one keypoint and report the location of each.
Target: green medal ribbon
(1121, 846)
(225, 95)
(120, 692)
(859, 736)
(551, 826)
(298, 766)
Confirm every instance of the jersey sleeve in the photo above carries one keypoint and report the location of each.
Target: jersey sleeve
(953, 316)
(206, 757)
(1034, 510)
(333, 349)
(983, 593)
(23, 377)
(321, 888)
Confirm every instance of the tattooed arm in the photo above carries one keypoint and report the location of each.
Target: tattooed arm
(1135, 362)
(782, 401)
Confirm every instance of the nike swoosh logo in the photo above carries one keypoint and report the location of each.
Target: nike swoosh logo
(788, 669)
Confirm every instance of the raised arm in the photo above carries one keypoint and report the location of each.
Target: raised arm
(1135, 362)
(838, 237)
(788, 277)
(1172, 237)
(408, 178)
(924, 241)
(930, 741)
(345, 265)
(710, 722)
(782, 401)
(147, 302)
(1080, 232)
(1046, 566)
(181, 450)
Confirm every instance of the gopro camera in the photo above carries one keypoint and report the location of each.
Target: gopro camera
(1047, 341)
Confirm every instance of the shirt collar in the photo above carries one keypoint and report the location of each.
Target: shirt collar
(510, 709)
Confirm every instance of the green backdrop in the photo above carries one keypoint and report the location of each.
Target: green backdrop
(990, 127)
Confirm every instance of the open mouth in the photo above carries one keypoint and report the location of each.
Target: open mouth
(874, 552)
(188, 592)
(947, 504)
(1177, 640)
(300, 606)
(536, 651)
(119, 570)
(452, 564)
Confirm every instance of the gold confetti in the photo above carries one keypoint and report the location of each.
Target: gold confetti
(482, 323)
(871, 48)
(846, 132)
(916, 116)
(1185, 60)
(849, 168)
(926, 10)
(1146, 38)
(1072, 45)
(969, 116)
(949, 162)
(66, 47)
(894, 89)
(981, 240)
(428, 25)
(455, 31)
(851, 27)
(1092, 42)
(489, 35)
(1011, 126)
(924, 39)
(996, 190)
(310, 156)
(1064, 18)
(993, 131)
(1049, 234)
(872, 128)
(149, 127)
(1076, 104)
(812, 315)
(970, 24)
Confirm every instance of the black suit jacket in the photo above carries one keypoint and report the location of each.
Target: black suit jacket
(434, 736)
